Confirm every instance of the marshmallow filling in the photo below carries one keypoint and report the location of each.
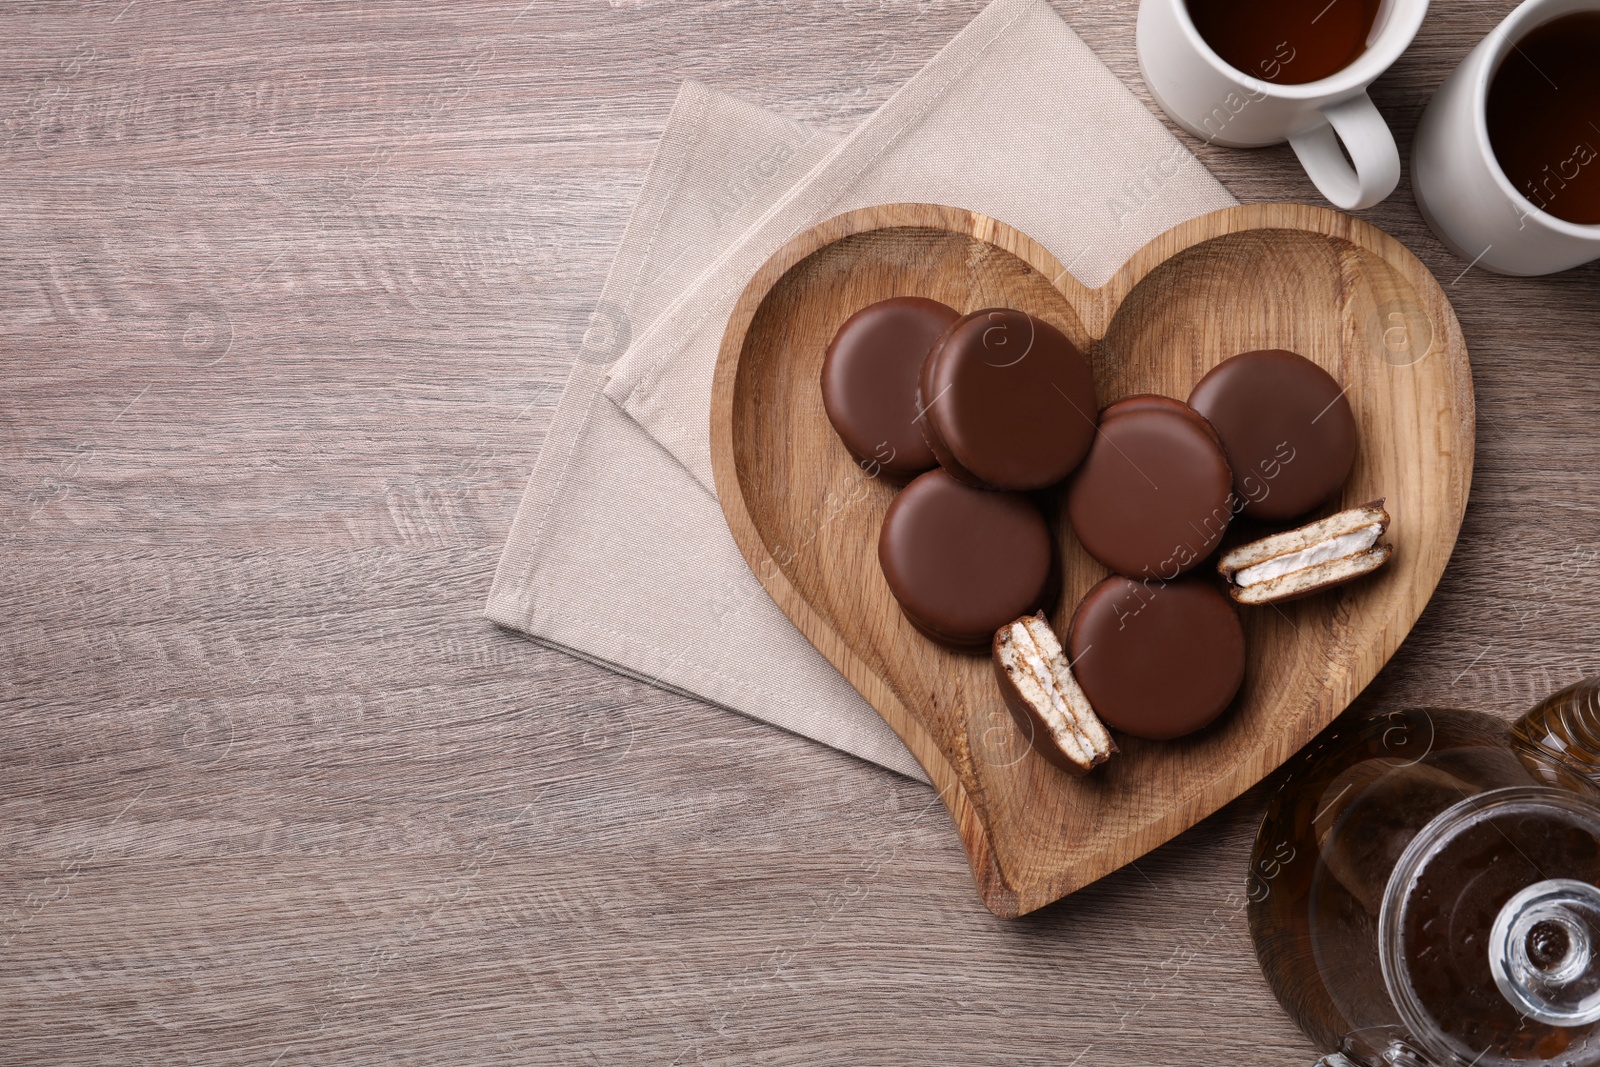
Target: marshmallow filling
(1341, 547)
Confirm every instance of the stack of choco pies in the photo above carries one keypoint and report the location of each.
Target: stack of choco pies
(980, 416)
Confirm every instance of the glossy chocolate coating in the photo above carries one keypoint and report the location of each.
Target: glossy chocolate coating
(1009, 401)
(1157, 659)
(963, 562)
(1153, 498)
(1287, 428)
(869, 382)
(1155, 402)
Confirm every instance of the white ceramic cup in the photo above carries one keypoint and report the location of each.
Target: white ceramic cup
(1463, 193)
(1236, 108)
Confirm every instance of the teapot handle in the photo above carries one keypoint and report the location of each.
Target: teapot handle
(1559, 740)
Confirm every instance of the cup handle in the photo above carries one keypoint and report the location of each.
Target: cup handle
(1366, 137)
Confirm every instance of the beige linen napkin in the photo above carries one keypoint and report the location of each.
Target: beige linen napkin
(617, 553)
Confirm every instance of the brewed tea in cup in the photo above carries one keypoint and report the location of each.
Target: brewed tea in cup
(1544, 117)
(1287, 42)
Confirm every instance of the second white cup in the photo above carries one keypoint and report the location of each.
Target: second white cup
(1460, 186)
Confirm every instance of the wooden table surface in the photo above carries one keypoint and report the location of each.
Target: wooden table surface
(284, 294)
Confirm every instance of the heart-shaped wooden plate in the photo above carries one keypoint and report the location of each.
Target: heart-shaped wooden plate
(806, 517)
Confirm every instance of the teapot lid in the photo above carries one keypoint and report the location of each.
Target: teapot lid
(1490, 931)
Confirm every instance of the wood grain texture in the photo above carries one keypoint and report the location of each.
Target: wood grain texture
(286, 299)
(806, 516)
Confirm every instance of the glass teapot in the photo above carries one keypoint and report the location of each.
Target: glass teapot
(1423, 890)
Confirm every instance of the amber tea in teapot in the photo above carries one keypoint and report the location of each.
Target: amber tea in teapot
(1425, 888)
